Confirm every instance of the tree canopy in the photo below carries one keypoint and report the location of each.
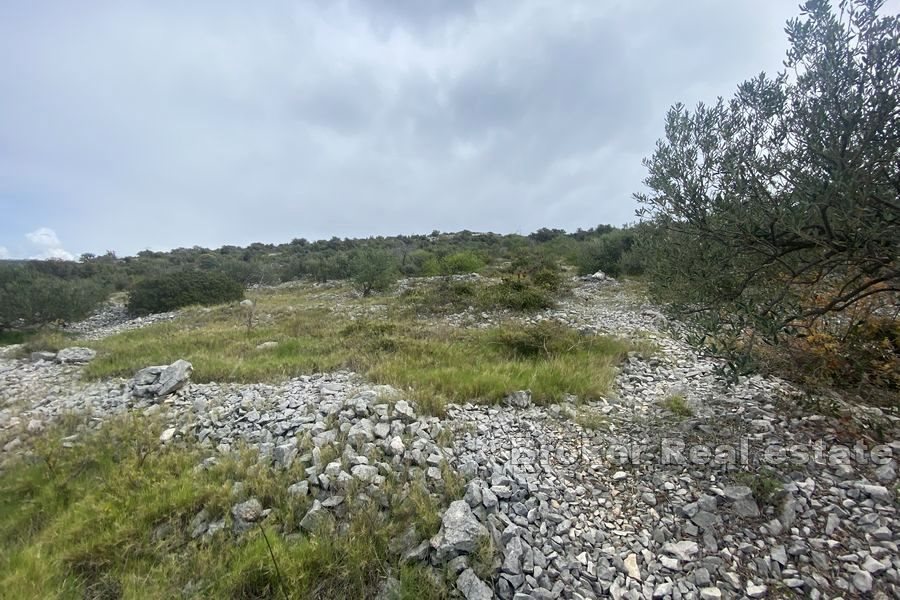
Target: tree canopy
(780, 205)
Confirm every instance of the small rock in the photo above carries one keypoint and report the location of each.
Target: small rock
(631, 567)
(314, 518)
(862, 581)
(755, 591)
(245, 514)
(684, 549)
(710, 593)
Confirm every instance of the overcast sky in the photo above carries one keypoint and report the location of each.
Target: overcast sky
(157, 124)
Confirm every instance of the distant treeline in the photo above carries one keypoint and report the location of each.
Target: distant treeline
(34, 292)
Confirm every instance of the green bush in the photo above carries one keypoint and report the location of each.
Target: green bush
(613, 253)
(30, 299)
(461, 263)
(182, 288)
(447, 296)
(373, 271)
(518, 294)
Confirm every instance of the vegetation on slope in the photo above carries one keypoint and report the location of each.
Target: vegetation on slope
(438, 362)
(108, 515)
(773, 217)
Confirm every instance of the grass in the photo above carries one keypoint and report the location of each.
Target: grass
(590, 420)
(438, 363)
(484, 558)
(8, 338)
(678, 406)
(40, 340)
(765, 484)
(110, 518)
(449, 296)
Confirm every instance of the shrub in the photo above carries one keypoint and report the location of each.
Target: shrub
(453, 296)
(445, 295)
(30, 299)
(518, 294)
(611, 253)
(548, 279)
(779, 206)
(373, 271)
(182, 288)
(461, 262)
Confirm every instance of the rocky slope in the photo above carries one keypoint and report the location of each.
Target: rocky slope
(754, 490)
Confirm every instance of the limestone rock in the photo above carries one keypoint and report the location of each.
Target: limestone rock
(75, 355)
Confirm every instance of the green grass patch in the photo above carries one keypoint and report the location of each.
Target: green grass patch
(438, 363)
(8, 338)
(766, 484)
(110, 518)
(677, 405)
(590, 420)
(44, 340)
(450, 296)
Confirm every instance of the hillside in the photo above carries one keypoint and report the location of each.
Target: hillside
(339, 445)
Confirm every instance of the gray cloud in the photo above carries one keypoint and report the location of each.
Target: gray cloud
(125, 125)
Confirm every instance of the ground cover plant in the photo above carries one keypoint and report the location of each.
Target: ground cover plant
(437, 362)
(107, 515)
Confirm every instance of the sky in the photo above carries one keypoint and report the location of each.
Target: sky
(127, 126)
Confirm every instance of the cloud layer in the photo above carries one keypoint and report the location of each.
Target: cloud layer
(151, 125)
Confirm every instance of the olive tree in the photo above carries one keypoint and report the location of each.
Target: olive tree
(373, 270)
(780, 206)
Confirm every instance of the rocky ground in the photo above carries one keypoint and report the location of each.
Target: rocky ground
(752, 490)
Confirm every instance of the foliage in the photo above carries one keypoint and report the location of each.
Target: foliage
(612, 253)
(461, 262)
(778, 208)
(110, 517)
(864, 356)
(182, 288)
(373, 271)
(546, 338)
(438, 363)
(519, 295)
(678, 406)
(523, 295)
(765, 484)
(29, 298)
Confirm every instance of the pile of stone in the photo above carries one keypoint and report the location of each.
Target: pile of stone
(112, 319)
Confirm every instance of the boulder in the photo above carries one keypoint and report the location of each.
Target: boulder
(460, 532)
(161, 381)
(473, 588)
(45, 356)
(75, 355)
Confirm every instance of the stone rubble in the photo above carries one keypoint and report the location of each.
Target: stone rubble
(648, 504)
(112, 318)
